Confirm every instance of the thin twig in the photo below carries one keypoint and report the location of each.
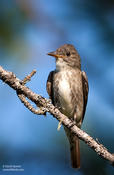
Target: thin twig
(41, 110)
(28, 77)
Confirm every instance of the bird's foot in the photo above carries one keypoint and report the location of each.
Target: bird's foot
(59, 125)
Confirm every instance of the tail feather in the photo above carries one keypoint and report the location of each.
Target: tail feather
(74, 149)
(75, 153)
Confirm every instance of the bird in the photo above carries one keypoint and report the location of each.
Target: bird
(67, 87)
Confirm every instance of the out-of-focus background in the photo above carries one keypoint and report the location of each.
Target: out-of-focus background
(30, 29)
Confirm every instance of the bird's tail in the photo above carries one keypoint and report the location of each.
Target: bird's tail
(74, 149)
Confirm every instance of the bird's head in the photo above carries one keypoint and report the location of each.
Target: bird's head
(66, 56)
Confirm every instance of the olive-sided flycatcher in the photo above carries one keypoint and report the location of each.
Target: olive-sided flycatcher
(67, 87)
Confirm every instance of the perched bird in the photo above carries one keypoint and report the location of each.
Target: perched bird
(67, 87)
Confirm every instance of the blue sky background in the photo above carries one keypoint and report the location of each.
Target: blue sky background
(28, 31)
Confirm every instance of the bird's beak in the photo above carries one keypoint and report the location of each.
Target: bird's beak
(54, 54)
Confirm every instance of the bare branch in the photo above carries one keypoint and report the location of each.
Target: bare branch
(28, 77)
(41, 110)
(10, 79)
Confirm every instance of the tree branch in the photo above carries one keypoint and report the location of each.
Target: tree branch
(45, 104)
(42, 110)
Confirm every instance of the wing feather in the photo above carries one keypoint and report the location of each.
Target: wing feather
(49, 85)
(85, 90)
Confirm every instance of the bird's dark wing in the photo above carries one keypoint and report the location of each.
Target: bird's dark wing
(49, 85)
(85, 90)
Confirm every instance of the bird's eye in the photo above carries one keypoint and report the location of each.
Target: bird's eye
(68, 53)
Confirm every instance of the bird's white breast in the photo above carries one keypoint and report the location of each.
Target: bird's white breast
(65, 91)
(64, 87)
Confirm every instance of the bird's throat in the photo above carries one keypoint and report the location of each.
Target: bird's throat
(61, 65)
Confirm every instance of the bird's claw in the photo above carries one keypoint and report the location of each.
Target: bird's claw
(59, 125)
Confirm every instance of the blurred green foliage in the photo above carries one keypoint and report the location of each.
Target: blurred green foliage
(12, 21)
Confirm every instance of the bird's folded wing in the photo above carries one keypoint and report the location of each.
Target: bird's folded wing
(49, 85)
(85, 90)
